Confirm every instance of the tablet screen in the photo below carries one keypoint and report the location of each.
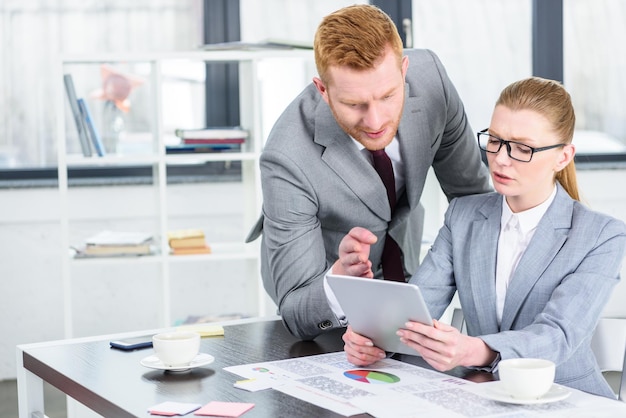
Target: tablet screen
(378, 308)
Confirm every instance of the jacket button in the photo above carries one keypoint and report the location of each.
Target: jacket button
(325, 325)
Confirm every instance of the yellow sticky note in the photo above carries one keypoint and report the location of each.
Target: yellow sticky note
(253, 385)
(205, 330)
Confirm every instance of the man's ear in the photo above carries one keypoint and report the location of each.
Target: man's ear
(321, 87)
(405, 65)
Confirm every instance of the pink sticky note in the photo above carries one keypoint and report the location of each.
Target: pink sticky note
(224, 409)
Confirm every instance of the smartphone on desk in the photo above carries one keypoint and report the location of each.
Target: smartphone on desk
(135, 343)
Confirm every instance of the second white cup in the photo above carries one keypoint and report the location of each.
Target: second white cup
(176, 348)
(526, 378)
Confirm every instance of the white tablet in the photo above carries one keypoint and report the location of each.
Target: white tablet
(378, 308)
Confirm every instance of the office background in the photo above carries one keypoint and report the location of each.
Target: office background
(484, 44)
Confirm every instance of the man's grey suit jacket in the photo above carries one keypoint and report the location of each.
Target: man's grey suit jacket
(317, 185)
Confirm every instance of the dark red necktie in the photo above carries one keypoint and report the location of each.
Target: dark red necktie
(392, 256)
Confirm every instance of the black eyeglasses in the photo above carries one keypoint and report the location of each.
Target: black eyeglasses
(515, 150)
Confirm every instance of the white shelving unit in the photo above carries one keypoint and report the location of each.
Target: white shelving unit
(254, 66)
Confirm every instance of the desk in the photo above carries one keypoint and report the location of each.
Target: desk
(114, 384)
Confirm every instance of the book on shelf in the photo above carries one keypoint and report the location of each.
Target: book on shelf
(116, 244)
(185, 233)
(210, 141)
(78, 118)
(91, 129)
(114, 250)
(187, 241)
(192, 250)
(119, 238)
(219, 133)
(200, 148)
(186, 238)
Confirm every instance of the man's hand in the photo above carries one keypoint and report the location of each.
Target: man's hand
(354, 252)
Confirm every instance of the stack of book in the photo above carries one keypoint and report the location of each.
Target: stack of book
(188, 241)
(208, 139)
(117, 244)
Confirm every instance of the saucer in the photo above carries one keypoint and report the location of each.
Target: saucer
(495, 391)
(200, 360)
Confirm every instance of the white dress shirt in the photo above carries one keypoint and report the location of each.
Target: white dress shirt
(516, 231)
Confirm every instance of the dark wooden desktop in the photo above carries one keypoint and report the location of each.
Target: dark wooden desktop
(114, 384)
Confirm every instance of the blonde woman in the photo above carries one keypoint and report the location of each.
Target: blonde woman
(533, 266)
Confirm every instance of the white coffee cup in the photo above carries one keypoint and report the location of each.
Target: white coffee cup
(526, 378)
(176, 348)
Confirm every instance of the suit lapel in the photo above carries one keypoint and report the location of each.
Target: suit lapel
(412, 129)
(482, 264)
(548, 240)
(344, 158)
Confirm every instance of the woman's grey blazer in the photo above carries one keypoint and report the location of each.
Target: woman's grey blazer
(557, 292)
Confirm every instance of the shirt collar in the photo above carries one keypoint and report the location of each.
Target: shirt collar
(392, 150)
(528, 219)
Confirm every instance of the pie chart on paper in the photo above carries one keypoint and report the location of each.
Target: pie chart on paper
(371, 376)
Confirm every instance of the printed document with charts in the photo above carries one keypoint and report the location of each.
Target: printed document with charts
(391, 388)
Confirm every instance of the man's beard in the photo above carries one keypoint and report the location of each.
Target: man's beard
(358, 133)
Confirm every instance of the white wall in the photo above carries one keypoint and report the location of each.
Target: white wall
(111, 296)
